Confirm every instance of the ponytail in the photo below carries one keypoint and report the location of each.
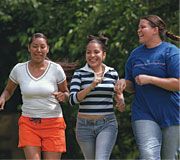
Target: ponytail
(172, 36)
(103, 41)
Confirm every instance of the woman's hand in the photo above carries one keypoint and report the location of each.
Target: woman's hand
(60, 96)
(96, 81)
(119, 97)
(121, 105)
(2, 103)
(120, 85)
(143, 79)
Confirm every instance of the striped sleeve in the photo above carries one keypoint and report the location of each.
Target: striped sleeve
(75, 88)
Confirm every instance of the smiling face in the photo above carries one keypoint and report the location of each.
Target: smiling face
(145, 32)
(38, 49)
(95, 56)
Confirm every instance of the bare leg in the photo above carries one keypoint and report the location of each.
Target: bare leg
(32, 152)
(52, 155)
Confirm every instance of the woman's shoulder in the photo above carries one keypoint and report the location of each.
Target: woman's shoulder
(109, 68)
(55, 66)
(20, 65)
(168, 44)
(170, 48)
(139, 48)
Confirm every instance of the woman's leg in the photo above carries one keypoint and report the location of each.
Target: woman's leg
(52, 155)
(85, 138)
(32, 152)
(171, 142)
(148, 137)
(106, 138)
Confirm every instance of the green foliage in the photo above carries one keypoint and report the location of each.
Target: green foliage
(67, 24)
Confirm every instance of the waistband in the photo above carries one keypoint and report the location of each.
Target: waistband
(97, 121)
(35, 120)
(42, 120)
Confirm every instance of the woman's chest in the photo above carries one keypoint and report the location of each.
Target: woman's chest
(154, 65)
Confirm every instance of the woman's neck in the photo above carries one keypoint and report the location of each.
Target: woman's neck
(38, 65)
(153, 43)
(99, 71)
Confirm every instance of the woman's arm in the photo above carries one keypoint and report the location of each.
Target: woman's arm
(82, 94)
(63, 94)
(123, 84)
(7, 93)
(129, 86)
(120, 102)
(170, 84)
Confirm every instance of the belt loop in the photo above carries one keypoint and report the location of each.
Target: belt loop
(85, 122)
(94, 121)
(105, 120)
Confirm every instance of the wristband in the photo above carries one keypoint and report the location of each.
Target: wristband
(91, 87)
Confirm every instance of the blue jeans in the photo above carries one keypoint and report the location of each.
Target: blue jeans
(155, 143)
(96, 137)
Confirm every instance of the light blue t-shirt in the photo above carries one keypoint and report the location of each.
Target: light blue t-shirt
(152, 102)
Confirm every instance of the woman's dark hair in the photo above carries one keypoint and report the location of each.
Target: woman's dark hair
(156, 21)
(38, 35)
(103, 41)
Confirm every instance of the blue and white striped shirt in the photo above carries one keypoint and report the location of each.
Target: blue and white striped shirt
(100, 100)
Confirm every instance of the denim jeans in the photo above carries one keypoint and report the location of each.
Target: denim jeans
(155, 143)
(96, 137)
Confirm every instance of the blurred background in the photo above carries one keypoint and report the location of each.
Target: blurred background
(67, 23)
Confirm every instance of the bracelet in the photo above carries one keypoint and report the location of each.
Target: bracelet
(91, 87)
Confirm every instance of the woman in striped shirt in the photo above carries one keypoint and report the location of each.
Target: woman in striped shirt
(92, 87)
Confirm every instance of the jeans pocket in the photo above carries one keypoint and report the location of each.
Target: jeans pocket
(113, 122)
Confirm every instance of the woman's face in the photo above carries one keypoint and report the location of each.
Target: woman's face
(38, 49)
(145, 32)
(94, 55)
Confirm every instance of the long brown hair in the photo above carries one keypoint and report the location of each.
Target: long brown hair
(156, 21)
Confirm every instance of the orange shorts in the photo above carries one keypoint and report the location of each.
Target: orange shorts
(47, 133)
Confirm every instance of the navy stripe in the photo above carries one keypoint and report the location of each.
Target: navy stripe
(104, 89)
(99, 95)
(75, 83)
(87, 75)
(81, 71)
(76, 76)
(96, 110)
(74, 90)
(107, 82)
(89, 82)
(96, 103)
(111, 76)
(86, 82)
(71, 100)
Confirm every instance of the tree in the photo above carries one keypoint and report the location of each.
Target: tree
(67, 24)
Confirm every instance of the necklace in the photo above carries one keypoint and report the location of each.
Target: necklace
(99, 72)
